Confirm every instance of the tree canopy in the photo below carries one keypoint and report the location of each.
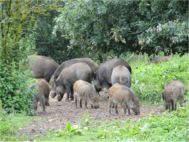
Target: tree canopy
(125, 25)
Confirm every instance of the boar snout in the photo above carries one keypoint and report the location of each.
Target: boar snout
(136, 111)
(52, 93)
(95, 106)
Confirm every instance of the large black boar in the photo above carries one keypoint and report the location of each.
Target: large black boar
(67, 63)
(120, 94)
(172, 92)
(104, 72)
(42, 94)
(121, 75)
(66, 79)
(42, 67)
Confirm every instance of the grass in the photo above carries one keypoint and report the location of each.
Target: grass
(170, 126)
(9, 125)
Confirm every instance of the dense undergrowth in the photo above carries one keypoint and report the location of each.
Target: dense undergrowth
(15, 91)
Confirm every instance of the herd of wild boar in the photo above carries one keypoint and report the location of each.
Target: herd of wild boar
(83, 80)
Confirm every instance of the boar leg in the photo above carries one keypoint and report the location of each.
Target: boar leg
(80, 103)
(181, 101)
(169, 106)
(86, 104)
(173, 104)
(35, 101)
(71, 94)
(166, 106)
(129, 112)
(68, 91)
(128, 108)
(124, 108)
(116, 111)
(113, 106)
(42, 101)
(47, 102)
(75, 101)
(110, 106)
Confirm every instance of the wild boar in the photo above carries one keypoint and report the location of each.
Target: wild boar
(121, 75)
(84, 91)
(42, 67)
(69, 75)
(104, 72)
(172, 92)
(124, 96)
(42, 94)
(103, 94)
(67, 63)
(159, 59)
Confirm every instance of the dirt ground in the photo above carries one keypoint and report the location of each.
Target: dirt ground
(59, 113)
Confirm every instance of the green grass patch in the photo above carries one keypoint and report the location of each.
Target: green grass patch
(9, 125)
(170, 126)
(149, 79)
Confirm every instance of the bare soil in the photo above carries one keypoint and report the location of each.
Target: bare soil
(59, 113)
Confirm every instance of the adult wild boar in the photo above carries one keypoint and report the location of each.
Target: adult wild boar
(159, 59)
(121, 75)
(67, 63)
(42, 67)
(66, 79)
(42, 94)
(84, 91)
(172, 92)
(124, 96)
(104, 72)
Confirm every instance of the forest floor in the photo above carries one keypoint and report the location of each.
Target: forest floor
(59, 113)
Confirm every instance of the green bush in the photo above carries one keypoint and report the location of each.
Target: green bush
(148, 79)
(15, 94)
